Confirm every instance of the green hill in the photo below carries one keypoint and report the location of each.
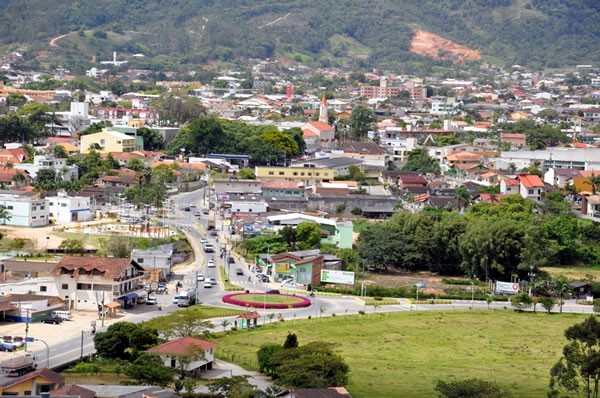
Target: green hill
(539, 33)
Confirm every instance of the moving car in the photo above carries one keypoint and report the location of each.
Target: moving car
(200, 278)
(207, 284)
(54, 319)
(203, 240)
(151, 300)
(273, 291)
(186, 209)
(239, 271)
(231, 260)
(213, 281)
(210, 264)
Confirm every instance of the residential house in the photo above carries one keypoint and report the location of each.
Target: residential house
(189, 354)
(88, 283)
(464, 160)
(280, 189)
(24, 211)
(108, 141)
(15, 269)
(304, 271)
(441, 106)
(324, 131)
(590, 205)
(121, 391)
(306, 175)
(340, 165)
(13, 155)
(34, 383)
(527, 185)
(65, 209)
(63, 170)
(561, 178)
(334, 188)
(72, 390)
(226, 189)
(516, 140)
(14, 177)
(407, 179)
(18, 304)
(124, 179)
(157, 261)
(328, 392)
(369, 153)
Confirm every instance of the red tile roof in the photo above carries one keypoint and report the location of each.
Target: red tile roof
(249, 315)
(73, 390)
(366, 148)
(46, 373)
(530, 181)
(280, 184)
(109, 267)
(320, 125)
(183, 346)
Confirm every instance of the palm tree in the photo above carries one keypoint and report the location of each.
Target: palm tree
(561, 289)
(9, 165)
(594, 181)
(225, 323)
(18, 177)
(4, 214)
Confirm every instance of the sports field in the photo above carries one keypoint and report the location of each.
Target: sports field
(404, 354)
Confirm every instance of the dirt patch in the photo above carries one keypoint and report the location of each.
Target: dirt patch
(433, 282)
(435, 46)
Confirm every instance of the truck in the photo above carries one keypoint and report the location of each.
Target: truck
(187, 298)
(18, 366)
(212, 224)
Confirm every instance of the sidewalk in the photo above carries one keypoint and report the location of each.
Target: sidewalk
(226, 369)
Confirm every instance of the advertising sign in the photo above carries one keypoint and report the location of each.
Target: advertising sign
(331, 276)
(282, 267)
(507, 287)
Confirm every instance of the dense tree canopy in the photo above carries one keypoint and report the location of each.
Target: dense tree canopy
(420, 161)
(125, 340)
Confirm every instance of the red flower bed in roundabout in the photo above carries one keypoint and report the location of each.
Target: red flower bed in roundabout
(261, 300)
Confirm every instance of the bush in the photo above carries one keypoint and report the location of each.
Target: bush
(377, 298)
(357, 211)
(340, 208)
(100, 34)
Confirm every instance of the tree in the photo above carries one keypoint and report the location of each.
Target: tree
(15, 99)
(182, 324)
(596, 306)
(313, 365)
(125, 340)
(561, 290)
(594, 181)
(291, 341)
(265, 356)
(308, 235)
(135, 164)
(234, 387)
(153, 141)
(288, 235)
(117, 246)
(548, 302)
(59, 152)
(202, 136)
(177, 108)
(471, 388)
(463, 197)
(72, 246)
(361, 122)
(148, 369)
(521, 301)
(95, 128)
(4, 214)
(246, 174)
(578, 370)
(419, 160)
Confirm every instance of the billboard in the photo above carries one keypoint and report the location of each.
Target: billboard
(331, 276)
(257, 229)
(507, 287)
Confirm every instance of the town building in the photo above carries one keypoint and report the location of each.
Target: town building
(188, 353)
(63, 170)
(306, 175)
(108, 141)
(64, 209)
(23, 210)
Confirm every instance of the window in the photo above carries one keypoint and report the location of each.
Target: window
(84, 286)
(271, 173)
(43, 288)
(42, 207)
(140, 260)
(51, 204)
(317, 174)
(33, 218)
(530, 192)
(102, 142)
(9, 207)
(34, 208)
(302, 174)
(295, 173)
(281, 173)
(63, 205)
(64, 286)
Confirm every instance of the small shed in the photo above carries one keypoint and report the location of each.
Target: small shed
(581, 290)
(251, 318)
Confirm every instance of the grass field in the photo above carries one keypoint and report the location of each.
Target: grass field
(268, 298)
(405, 354)
(576, 273)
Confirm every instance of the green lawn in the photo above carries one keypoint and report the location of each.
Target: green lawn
(405, 354)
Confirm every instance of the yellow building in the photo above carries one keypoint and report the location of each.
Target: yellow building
(108, 141)
(33, 383)
(309, 175)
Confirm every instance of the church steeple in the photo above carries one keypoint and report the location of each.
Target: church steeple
(323, 111)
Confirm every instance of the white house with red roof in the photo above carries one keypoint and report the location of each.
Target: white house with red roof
(186, 353)
(529, 186)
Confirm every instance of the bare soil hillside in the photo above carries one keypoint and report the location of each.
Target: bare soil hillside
(435, 46)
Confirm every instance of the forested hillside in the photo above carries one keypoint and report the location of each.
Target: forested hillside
(530, 32)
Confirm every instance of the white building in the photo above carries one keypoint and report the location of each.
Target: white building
(63, 171)
(24, 211)
(65, 209)
(443, 106)
(159, 259)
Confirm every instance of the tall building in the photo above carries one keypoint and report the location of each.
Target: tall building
(323, 111)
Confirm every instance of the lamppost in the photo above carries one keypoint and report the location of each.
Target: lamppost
(26, 326)
(531, 275)
(47, 240)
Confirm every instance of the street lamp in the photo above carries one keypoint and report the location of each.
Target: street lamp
(47, 240)
(531, 275)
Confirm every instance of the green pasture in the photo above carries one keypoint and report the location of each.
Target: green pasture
(405, 354)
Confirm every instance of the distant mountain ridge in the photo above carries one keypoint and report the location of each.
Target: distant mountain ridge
(539, 33)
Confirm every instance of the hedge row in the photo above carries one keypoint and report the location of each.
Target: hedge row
(230, 299)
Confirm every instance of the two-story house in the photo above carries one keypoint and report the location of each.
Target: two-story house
(527, 185)
(108, 141)
(88, 283)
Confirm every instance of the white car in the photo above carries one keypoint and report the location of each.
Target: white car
(151, 300)
(200, 278)
(210, 264)
(203, 240)
(207, 284)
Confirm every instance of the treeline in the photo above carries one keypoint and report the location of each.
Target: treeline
(198, 31)
(493, 241)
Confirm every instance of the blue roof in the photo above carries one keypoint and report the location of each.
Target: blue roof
(227, 156)
(130, 296)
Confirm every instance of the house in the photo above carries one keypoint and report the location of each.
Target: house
(88, 283)
(323, 130)
(108, 141)
(124, 179)
(306, 175)
(464, 160)
(73, 390)
(369, 153)
(231, 188)
(304, 271)
(27, 307)
(410, 179)
(590, 205)
(582, 290)
(24, 211)
(16, 269)
(65, 209)
(14, 177)
(340, 165)
(516, 140)
(189, 354)
(156, 261)
(13, 155)
(121, 391)
(40, 162)
(560, 178)
(33, 383)
(282, 189)
(527, 185)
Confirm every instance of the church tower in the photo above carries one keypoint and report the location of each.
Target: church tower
(323, 111)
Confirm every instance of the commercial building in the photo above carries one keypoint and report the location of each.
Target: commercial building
(24, 211)
(66, 209)
(108, 141)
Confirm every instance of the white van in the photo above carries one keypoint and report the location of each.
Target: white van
(64, 315)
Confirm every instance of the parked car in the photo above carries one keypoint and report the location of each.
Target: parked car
(214, 233)
(151, 300)
(54, 319)
(213, 281)
(239, 271)
(186, 209)
(18, 341)
(231, 260)
(200, 278)
(273, 291)
(6, 347)
(203, 240)
(207, 284)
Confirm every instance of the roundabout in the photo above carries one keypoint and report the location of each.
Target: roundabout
(265, 300)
